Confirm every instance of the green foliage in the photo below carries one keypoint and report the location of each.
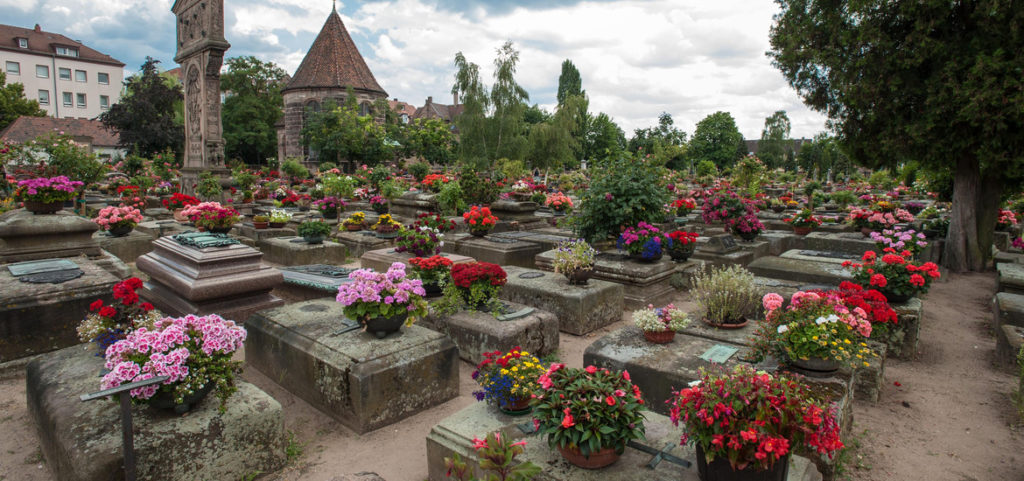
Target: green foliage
(65, 157)
(325, 166)
(715, 139)
(342, 186)
(602, 138)
(252, 108)
(13, 103)
(145, 117)
(294, 169)
(314, 228)
(209, 186)
(725, 294)
(706, 168)
(881, 179)
(243, 179)
(664, 143)
(497, 457)
(775, 147)
(143, 181)
(569, 82)
(749, 174)
(622, 193)
(419, 170)
(451, 199)
(844, 198)
(477, 189)
(132, 164)
(338, 133)
(510, 169)
(429, 139)
(293, 449)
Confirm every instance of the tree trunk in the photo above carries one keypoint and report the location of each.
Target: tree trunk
(987, 212)
(962, 252)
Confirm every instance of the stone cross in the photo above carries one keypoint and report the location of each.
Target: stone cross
(200, 52)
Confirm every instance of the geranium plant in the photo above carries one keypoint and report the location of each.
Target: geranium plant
(815, 325)
(753, 419)
(747, 226)
(329, 205)
(433, 270)
(194, 351)
(725, 206)
(480, 219)
(180, 201)
(1006, 220)
(682, 240)
(900, 239)
(683, 207)
(212, 215)
(105, 324)
(111, 217)
(47, 190)
(508, 378)
(803, 219)
(475, 285)
(419, 241)
(382, 294)
(668, 318)
(588, 409)
(434, 220)
(559, 202)
(644, 240)
(433, 182)
(895, 274)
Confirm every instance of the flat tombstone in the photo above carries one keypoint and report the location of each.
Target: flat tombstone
(721, 244)
(579, 309)
(475, 333)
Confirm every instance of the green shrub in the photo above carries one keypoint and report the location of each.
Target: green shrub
(451, 199)
(143, 181)
(882, 180)
(314, 228)
(510, 169)
(477, 189)
(844, 198)
(725, 294)
(209, 186)
(623, 193)
(243, 179)
(419, 170)
(325, 166)
(338, 186)
(294, 169)
(706, 168)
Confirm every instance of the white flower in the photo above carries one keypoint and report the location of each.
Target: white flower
(821, 320)
(833, 318)
(783, 328)
(694, 383)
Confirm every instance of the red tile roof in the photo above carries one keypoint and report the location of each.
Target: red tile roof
(334, 62)
(44, 43)
(402, 108)
(26, 128)
(433, 110)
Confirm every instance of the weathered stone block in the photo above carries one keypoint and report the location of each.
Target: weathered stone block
(295, 251)
(1011, 278)
(869, 379)
(475, 333)
(1007, 308)
(259, 235)
(800, 270)
(127, 248)
(380, 260)
(496, 250)
(363, 382)
(579, 309)
(909, 316)
(82, 440)
(1009, 339)
(643, 283)
(161, 228)
(454, 435)
(849, 242)
(361, 242)
(25, 236)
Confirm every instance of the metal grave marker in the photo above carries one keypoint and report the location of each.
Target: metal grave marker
(202, 240)
(719, 353)
(35, 267)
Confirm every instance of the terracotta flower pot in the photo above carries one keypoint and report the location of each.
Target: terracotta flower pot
(353, 227)
(178, 216)
(260, 225)
(802, 230)
(603, 457)
(742, 322)
(517, 406)
(660, 337)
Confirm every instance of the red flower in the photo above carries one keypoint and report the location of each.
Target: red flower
(610, 400)
(108, 311)
(567, 421)
(96, 305)
(879, 280)
(147, 306)
(591, 369)
(917, 280)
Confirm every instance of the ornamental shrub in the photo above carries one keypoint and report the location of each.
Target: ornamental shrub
(623, 192)
(725, 294)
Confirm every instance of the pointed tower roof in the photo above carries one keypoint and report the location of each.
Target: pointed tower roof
(334, 62)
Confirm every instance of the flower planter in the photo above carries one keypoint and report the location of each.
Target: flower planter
(380, 208)
(815, 367)
(479, 233)
(432, 289)
(517, 407)
(742, 322)
(260, 225)
(314, 239)
(579, 277)
(558, 212)
(778, 209)
(892, 297)
(802, 230)
(603, 457)
(660, 337)
(641, 258)
(220, 229)
(747, 236)
(381, 327)
(387, 234)
(682, 254)
(178, 216)
(43, 207)
(165, 400)
(330, 213)
(120, 230)
(277, 225)
(353, 227)
(721, 470)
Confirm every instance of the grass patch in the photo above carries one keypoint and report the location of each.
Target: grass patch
(293, 450)
(851, 458)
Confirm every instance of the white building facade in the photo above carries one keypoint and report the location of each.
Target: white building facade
(69, 79)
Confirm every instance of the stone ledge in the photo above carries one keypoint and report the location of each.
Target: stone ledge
(579, 309)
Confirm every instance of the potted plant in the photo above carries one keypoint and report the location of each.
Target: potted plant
(383, 301)
(588, 414)
(107, 324)
(747, 226)
(765, 418)
(279, 218)
(508, 380)
(314, 231)
(899, 240)
(803, 222)
(559, 203)
(777, 205)
(522, 190)
(434, 271)
(379, 204)
(723, 206)
(1007, 219)
(177, 203)
(434, 220)
(118, 221)
(419, 241)
(575, 260)
(726, 295)
(497, 453)
(683, 207)
(475, 285)
(682, 246)
(260, 221)
(329, 206)
(480, 220)
(817, 333)
(434, 182)
(195, 351)
(355, 222)
(386, 227)
(212, 216)
(46, 195)
(660, 325)
(896, 276)
(913, 207)
(644, 242)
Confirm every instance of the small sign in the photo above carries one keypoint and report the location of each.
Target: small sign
(38, 267)
(720, 243)
(531, 275)
(719, 353)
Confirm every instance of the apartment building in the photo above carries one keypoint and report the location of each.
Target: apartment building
(69, 79)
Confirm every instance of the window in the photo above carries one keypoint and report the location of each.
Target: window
(104, 102)
(42, 71)
(13, 68)
(67, 51)
(103, 78)
(64, 73)
(44, 97)
(79, 75)
(67, 99)
(23, 42)
(81, 100)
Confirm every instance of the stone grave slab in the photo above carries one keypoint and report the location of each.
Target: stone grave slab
(757, 247)
(158, 213)
(643, 283)
(380, 260)
(547, 241)
(850, 242)
(160, 228)
(909, 315)
(295, 251)
(229, 280)
(1009, 339)
(363, 382)
(82, 440)
(496, 250)
(475, 333)
(455, 434)
(509, 210)
(312, 281)
(1011, 278)
(246, 229)
(25, 236)
(800, 270)
(579, 309)
(41, 317)
(127, 248)
(1007, 308)
(410, 204)
(831, 257)
(361, 242)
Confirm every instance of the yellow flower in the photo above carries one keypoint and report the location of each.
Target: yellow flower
(504, 371)
(514, 369)
(847, 341)
(814, 337)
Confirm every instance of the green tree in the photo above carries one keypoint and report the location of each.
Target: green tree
(472, 122)
(569, 82)
(509, 101)
(603, 138)
(430, 139)
(144, 118)
(552, 143)
(934, 81)
(252, 108)
(664, 142)
(13, 103)
(716, 139)
(775, 148)
(339, 133)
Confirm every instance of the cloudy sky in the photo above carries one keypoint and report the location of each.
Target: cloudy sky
(637, 58)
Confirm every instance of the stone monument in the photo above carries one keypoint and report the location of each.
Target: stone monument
(200, 53)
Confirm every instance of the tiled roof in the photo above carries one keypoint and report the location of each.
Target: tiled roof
(433, 110)
(44, 43)
(402, 108)
(334, 62)
(26, 128)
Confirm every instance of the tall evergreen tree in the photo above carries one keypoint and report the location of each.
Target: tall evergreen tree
(569, 82)
(144, 118)
(775, 148)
